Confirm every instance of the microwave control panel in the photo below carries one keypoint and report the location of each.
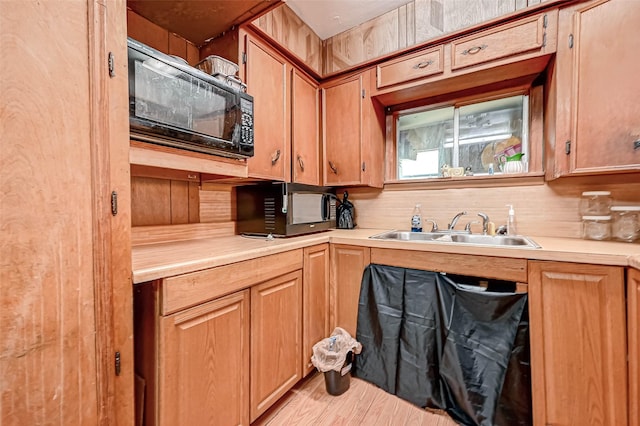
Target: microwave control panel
(246, 109)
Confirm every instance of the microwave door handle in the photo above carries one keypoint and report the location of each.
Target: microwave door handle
(285, 199)
(326, 206)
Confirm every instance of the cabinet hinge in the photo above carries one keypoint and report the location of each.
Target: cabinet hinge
(570, 41)
(364, 93)
(117, 363)
(567, 147)
(545, 21)
(111, 65)
(244, 57)
(114, 203)
(544, 39)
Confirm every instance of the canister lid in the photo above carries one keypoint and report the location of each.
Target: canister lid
(596, 217)
(595, 193)
(625, 208)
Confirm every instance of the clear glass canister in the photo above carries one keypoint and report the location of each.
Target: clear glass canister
(595, 203)
(596, 227)
(625, 225)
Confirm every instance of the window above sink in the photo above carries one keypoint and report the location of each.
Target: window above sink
(483, 139)
(477, 137)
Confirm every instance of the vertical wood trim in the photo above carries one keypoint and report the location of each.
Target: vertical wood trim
(536, 337)
(633, 336)
(110, 172)
(179, 202)
(536, 141)
(194, 202)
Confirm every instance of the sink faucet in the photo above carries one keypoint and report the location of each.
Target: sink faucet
(455, 219)
(485, 222)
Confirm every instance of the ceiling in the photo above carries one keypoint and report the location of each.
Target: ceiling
(200, 20)
(330, 17)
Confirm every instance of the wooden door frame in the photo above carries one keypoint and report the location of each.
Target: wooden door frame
(109, 145)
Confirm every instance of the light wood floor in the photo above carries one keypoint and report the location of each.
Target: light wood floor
(363, 404)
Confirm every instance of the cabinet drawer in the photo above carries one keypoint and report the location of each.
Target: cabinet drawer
(186, 290)
(524, 36)
(418, 65)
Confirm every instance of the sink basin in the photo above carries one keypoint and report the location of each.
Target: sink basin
(459, 238)
(495, 240)
(408, 236)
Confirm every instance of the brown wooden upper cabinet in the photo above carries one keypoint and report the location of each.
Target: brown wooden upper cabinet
(597, 86)
(353, 130)
(266, 75)
(305, 129)
(286, 109)
(512, 50)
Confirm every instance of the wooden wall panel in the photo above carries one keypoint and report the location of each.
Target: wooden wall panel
(283, 26)
(147, 32)
(217, 203)
(164, 201)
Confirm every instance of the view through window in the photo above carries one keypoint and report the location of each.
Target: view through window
(473, 137)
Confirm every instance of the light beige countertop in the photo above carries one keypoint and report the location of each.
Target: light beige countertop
(160, 260)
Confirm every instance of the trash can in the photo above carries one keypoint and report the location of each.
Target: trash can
(337, 382)
(333, 356)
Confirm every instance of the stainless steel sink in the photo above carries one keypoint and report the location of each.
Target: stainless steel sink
(408, 236)
(459, 238)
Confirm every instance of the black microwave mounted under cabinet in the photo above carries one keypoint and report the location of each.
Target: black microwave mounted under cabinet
(174, 104)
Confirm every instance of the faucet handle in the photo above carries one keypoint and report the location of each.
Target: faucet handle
(434, 225)
(467, 227)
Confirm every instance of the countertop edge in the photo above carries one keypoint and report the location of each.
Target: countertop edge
(157, 261)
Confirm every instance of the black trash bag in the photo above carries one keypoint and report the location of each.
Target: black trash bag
(378, 327)
(345, 213)
(485, 336)
(397, 326)
(420, 342)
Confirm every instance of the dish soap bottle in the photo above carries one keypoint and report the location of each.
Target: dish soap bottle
(416, 219)
(511, 221)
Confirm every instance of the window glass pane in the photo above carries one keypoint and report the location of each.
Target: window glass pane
(425, 141)
(474, 136)
(488, 131)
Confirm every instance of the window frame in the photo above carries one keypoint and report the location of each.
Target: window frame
(535, 139)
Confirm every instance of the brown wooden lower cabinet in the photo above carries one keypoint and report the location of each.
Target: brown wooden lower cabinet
(578, 344)
(347, 264)
(195, 362)
(205, 363)
(315, 306)
(276, 332)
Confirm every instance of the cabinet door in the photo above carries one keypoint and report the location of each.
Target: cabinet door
(342, 130)
(204, 364)
(266, 78)
(305, 129)
(315, 306)
(276, 333)
(578, 344)
(597, 88)
(633, 333)
(347, 266)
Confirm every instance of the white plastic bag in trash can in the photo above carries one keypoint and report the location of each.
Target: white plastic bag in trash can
(331, 353)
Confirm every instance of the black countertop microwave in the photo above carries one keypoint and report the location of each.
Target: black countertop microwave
(174, 104)
(284, 209)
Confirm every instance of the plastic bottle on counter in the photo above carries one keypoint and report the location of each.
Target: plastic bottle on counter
(511, 221)
(416, 219)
